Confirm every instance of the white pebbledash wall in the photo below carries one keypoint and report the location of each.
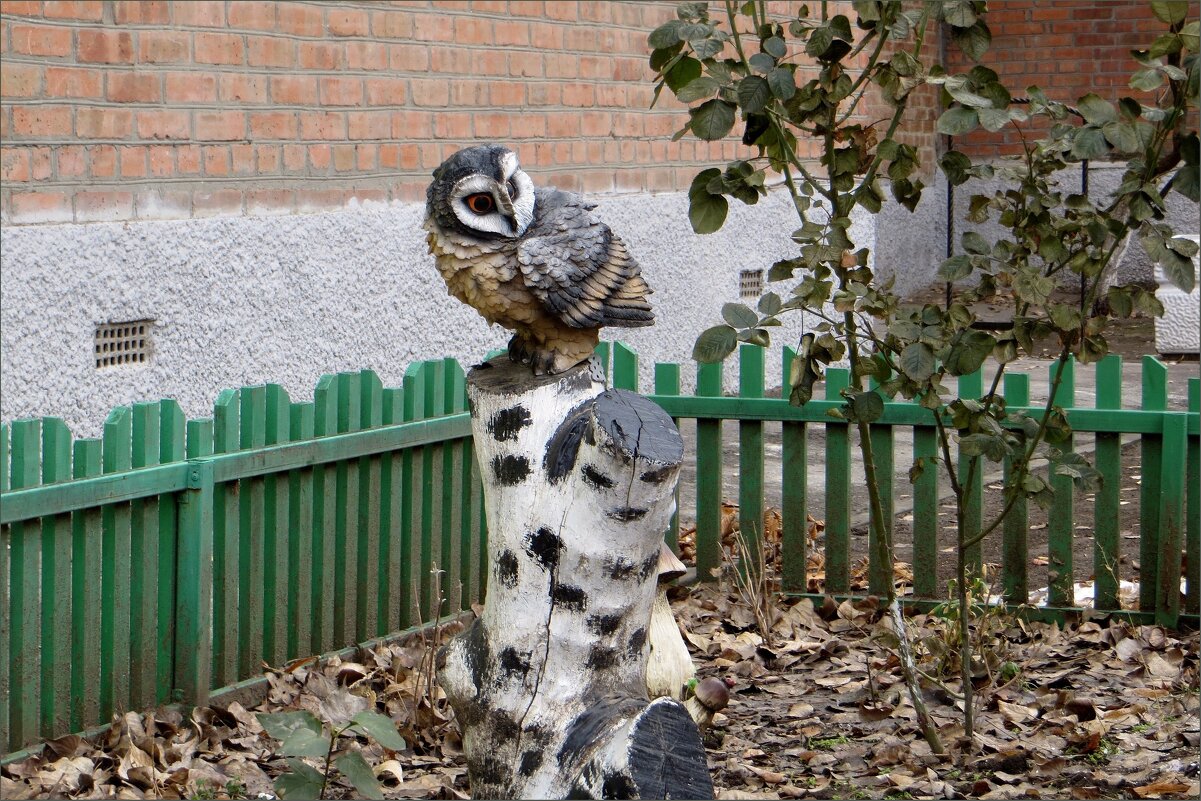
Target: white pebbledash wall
(246, 300)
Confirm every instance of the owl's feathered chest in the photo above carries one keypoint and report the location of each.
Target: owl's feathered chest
(483, 275)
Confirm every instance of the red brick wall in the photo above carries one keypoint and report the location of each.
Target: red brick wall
(120, 110)
(1067, 47)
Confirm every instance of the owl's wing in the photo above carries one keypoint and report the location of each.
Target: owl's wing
(578, 268)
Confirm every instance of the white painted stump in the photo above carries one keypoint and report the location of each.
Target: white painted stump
(549, 685)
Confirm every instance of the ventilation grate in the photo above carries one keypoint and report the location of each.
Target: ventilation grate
(122, 343)
(750, 284)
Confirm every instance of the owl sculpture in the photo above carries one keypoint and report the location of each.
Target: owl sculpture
(536, 261)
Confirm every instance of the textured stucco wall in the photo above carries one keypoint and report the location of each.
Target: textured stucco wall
(246, 300)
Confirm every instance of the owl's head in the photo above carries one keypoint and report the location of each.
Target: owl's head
(481, 191)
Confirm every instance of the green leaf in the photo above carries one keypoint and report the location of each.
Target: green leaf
(819, 41)
(303, 782)
(355, 768)
(1064, 317)
(707, 212)
(782, 83)
(770, 304)
(993, 119)
(762, 62)
(917, 361)
(988, 445)
(958, 13)
(955, 268)
(867, 406)
(783, 269)
(958, 121)
(698, 89)
(712, 120)
(685, 71)
(1178, 269)
(1146, 80)
(774, 46)
(381, 728)
(1089, 143)
(303, 742)
(281, 725)
(968, 352)
(1187, 181)
(665, 35)
(1097, 110)
(973, 41)
(1170, 11)
(974, 243)
(754, 94)
(739, 315)
(714, 344)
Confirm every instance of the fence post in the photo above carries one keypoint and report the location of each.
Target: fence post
(194, 585)
(1171, 519)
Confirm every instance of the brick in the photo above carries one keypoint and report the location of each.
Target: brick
(273, 125)
(309, 200)
(242, 88)
(103, 161)
(23, 8)
(465, 94)
(91, 10)
(579, 94)
(208, 14)
(104, 47)
(473, 31)
(385, 91)
(190, 87)
(217, 202)
(453, 125)
(433, 28)
(525, 126)
(447, 59)
(341, 91)
(510, 33)
(164, 47)
(526, 8)
(344, 158)
(41, 40)
(188, 159)
(164, 124)
(546, 36)
(430, 92)
(41, 207)
(133, 87)
(389, 156)
(242, 159)
(295, 157)
(347, 21)
(321, 55)
(320, 157)
(255, 15)
(21, 80)
(566, 10)
(71, 161)
(527, 65)
(141, 12)
(408, 57)
(218, 48)
(300, 20)
(492, 125)
(369, 124)
(220, 126)
(216, 159)
(490, 6)
(41, 121)
(412, 125)
(261, 202)
(563, 125)
(158, 204)
(162, 160)
(270, 51)
(14, 164)
(294, 90)
(322, 125)
(133, 161)
(105, 206)
(544, 94)
(506, 93)
(266, 159)
(392, 24)
(367, 55)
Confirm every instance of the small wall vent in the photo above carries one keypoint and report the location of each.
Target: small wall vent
(750, 284)
(122, 343)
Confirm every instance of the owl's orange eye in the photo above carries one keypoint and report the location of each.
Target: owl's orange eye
(481, 203)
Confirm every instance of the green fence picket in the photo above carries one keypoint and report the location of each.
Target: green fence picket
(667, 382)
(708, 477)
(5, 597)
(750, 457)
(301, 539)
(625, 367)
(794, 512)
(972, 386)
(194, 568)
(172, 438)
(24, 613)
(226, 548)
(56, 543)
(1171, 519)
(367, 551)
(252, 508)
(838, 490)
(388, 601)
(432, 457)
(456, 552)
(276, 530)
(325, 513)
(1107, 458)
(880, 576)
(925, 511)
(145, 540)
(1192, 517)
(1154, 398)
(116, 455)
(1061, 519)
(1014, 528)
(413, 501)
(87, 580)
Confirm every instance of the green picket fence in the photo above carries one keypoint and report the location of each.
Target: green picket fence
(173, 557)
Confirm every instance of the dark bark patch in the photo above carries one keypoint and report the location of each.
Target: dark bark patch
(490, 772)
(596, 478)
(637, 640)
(625, 514)
(512, 662)
(604, 624)
(544, 546)
(649, 565)
(602, 657)
(588, 725)
(639, 427)
(510, 469)
(530, 762)
(619, 568)
(507, 423)
(620, 785)
(658, 475)
(506, 568)
(564, 445)
(504, 727)
(569, 596)
(676, 772)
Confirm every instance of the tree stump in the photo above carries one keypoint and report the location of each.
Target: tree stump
(549, 684)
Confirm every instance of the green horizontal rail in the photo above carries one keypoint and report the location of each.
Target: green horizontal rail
(53, 499)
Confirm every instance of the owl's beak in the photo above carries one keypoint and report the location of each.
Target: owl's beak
(506, 207)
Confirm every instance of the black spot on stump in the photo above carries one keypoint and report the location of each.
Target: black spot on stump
(583, 732)
(626, 514)
(637, 640)
(657, 475)
(544, 546)
(604, 624)
(510, 469)
(564, 445)
(602, 657)
(503, 725)
(530, 762)
(513, 662)
(506, 568)
(505, 424)
(619, 785)
(569, 596)
(649, 566)
(596, 478)
(488, 770)
(619, 568)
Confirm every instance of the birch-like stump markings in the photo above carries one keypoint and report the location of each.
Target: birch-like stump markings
(549, 684)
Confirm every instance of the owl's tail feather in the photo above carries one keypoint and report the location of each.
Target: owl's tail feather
(629, 307)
